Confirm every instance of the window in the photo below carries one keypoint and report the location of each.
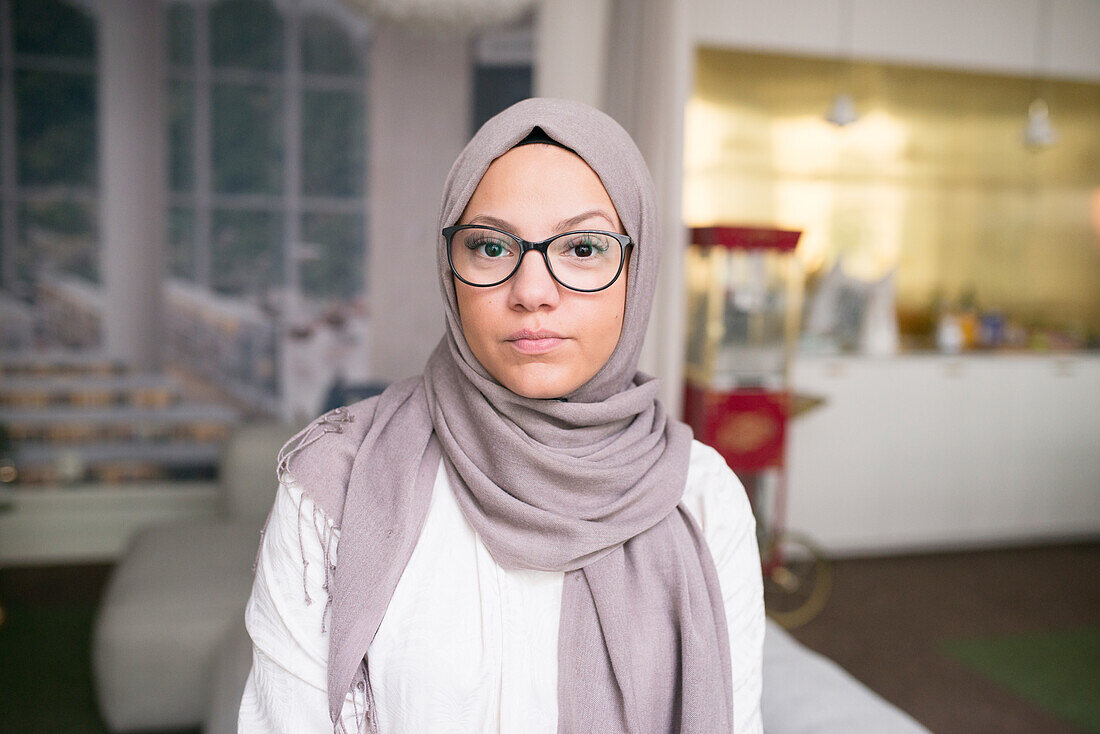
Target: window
(266, 124)
(503, 61)
(47, 142)
(267, 168)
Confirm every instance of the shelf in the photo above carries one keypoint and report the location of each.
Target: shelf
(92, 522)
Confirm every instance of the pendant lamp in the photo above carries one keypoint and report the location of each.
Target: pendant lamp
(1039, 131)
(842, 111)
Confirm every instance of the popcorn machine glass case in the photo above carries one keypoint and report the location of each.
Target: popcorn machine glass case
(744, 295)
(744, 300)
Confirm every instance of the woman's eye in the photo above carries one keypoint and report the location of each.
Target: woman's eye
(488, 248)
(586, 247)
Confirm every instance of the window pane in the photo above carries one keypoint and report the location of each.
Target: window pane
(58, 236)
(327, 48)
(497, 87)
(247, 252)
(337, 241)
(332, 144)
(181, 242)
(248, 146)
(181, 34)
(56, 113)
(246, 34)
(52, 27)
(181, 126)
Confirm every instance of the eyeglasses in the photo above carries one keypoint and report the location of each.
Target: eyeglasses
(585, 261)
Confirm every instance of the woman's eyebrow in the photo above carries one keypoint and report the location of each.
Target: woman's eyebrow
(491, 221)
(563, 226)
(567, 224)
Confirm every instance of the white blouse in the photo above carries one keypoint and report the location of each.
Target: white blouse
(465, 645)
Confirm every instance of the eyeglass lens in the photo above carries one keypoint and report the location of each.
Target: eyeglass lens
(580, 260)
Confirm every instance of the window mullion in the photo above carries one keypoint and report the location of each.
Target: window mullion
(42, 62)
(202, 146)
(292, 147)
(9, 166)
(364, 200)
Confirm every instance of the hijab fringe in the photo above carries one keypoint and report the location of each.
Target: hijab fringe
(326, 532)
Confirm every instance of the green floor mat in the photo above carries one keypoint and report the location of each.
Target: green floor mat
(1058, 671)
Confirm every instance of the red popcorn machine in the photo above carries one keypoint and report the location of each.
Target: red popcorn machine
(744, 291)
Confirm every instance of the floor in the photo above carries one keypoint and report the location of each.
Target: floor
(885, 623)
(888, 617)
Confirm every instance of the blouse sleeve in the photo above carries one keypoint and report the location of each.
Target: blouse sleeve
(287, 616)
(717, 499)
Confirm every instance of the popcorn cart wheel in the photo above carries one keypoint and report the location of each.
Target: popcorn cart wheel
(798, 577)
(744, 299)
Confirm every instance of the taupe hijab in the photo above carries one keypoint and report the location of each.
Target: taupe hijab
(589, 485)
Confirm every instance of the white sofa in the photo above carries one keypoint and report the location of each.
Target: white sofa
(806, 693)
(176, 593)
(170, 649)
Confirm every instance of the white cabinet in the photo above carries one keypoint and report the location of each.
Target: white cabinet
(997, 36)
(932, 451)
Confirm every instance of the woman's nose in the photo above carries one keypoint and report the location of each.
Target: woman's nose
(532, 287)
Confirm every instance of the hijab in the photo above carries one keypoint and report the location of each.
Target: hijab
(589, 486)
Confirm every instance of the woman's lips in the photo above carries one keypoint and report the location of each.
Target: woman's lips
(534, 342)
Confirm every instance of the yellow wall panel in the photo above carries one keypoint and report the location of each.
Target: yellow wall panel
(933, 178)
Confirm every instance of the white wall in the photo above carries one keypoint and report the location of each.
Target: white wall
(417, 121)
(647, 88)
(132, 179)
(571, 50)
(976, 35)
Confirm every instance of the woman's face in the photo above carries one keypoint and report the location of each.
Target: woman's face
(536, 337)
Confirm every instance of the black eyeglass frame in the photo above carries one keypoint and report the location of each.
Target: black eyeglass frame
(525, 247)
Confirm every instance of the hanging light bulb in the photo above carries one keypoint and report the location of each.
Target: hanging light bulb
(843, 110)
(1039, 132)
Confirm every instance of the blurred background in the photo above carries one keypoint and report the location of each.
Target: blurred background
(218, 220)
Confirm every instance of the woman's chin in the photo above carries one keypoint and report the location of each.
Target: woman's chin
(542, 382)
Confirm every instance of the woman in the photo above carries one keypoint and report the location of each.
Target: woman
(520, 539)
